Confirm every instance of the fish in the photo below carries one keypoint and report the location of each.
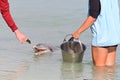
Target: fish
(28, 41)
(43, 48)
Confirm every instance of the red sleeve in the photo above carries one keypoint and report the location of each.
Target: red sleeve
(4, 8)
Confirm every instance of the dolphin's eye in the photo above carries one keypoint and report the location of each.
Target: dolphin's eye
(51, 49)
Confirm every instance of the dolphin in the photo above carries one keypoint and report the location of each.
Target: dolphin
(42, 48)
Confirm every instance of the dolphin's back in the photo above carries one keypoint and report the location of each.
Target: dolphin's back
(48, 46)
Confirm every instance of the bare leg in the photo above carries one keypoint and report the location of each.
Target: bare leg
(111, 56)
(99, 56)
(104, 56)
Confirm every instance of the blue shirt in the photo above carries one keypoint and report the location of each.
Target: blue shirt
(106, 28)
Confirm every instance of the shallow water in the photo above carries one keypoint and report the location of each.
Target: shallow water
(48, 21)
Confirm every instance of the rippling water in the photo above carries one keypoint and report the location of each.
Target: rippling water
(48, 21)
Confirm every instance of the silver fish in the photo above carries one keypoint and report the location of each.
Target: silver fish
(42, 48)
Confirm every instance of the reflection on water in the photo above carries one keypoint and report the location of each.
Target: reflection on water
(104, 73)
(71, 71)
(13, 74)
(75, 71)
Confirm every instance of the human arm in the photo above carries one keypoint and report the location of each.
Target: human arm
(87, 23)
(94, 11)
(5, 11)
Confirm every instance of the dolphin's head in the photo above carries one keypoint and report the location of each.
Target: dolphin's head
(41, 49)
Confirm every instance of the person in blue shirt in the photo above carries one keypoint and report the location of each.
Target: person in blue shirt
(103, 20)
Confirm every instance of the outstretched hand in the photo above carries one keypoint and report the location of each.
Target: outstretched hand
(21, 37)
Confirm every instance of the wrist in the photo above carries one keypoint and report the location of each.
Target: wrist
(17, 31)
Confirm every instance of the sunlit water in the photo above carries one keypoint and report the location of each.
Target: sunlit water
(48, 21)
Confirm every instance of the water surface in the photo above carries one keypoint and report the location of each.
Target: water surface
(48, 21)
